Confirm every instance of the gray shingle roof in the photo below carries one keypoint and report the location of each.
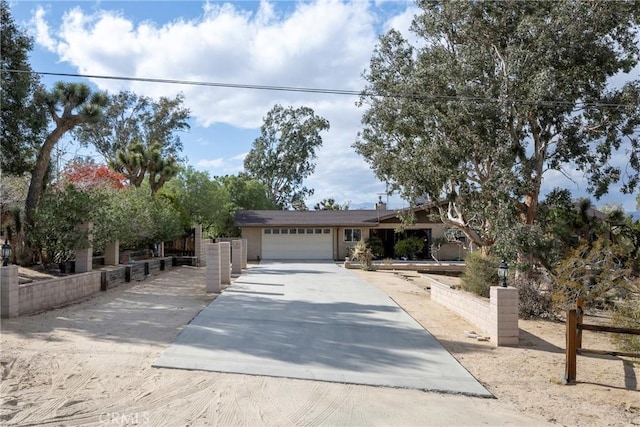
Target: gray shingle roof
(363, 218)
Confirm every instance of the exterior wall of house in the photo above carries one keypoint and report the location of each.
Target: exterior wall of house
(254, 242)
(344, 247)
(448, 251)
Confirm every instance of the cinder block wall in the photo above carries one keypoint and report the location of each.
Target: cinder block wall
(497, 317)
(473, 309)
(47, 294)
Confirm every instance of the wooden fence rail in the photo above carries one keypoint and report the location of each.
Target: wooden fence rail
(574, 339)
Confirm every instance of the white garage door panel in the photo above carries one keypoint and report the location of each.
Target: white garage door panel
(307, 246)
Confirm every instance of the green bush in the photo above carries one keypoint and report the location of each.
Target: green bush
(480, 274)
(54, 232)
(375, 244)
(409, 247)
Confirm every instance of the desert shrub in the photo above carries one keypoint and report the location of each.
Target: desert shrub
(595, 271)
(480, 273)
(534, 299)
(362, 253)
(409, 247)
(627, 315)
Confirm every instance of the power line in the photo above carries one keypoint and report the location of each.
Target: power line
(195, 83)
(413, 95)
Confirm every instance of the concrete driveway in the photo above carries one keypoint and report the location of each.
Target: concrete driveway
(317, 321)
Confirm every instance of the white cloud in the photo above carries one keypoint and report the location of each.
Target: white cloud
(321, 44)
(41, 30)
(210, 164)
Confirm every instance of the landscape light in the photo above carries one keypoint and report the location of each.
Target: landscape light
(503, 269)
(6, 253)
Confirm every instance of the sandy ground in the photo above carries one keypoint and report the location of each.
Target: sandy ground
(607, 389)
(90, 364)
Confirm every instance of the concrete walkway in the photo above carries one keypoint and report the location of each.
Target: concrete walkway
(317, 321)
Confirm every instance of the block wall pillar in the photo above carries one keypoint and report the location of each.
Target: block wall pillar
(503, 316)
(112, 253)
(9, 297)
(245, 244)
(84, 256)
(199, 246)
(225, 262)
(213, 268)
(236, 256)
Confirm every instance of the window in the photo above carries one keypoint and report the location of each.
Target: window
(293, 231)
(276, 231)
(326, 231)
(309, 230)
(318, 230)
(300, 230)
(267, 231)
(352, 234)
(284, 231)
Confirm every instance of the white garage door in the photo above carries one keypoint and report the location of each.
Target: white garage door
(297, 243)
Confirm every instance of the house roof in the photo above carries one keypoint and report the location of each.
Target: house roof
(328, 218)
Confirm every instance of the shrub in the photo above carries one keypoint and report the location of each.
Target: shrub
(363, 255)
(627, 315)
(54, 231)
(409, 247)
(375, 244)
(594, 271)
(534, 299)
(480, 274)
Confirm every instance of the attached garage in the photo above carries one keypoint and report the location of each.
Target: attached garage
(304, 235)
(297, 243)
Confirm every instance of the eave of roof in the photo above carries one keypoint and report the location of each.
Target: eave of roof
(274, 218)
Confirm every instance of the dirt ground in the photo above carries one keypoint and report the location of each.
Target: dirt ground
(90, 364)
(528, 376)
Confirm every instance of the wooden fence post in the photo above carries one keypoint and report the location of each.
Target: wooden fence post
(580, 320)
(572, 328)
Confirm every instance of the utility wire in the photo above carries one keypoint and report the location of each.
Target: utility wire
(411, 95)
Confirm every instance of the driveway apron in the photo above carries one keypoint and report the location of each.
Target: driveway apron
(316, 321)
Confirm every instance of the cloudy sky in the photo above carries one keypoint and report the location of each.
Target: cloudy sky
(314, 44)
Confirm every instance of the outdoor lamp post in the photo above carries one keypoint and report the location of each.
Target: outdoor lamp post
(6, 253)
(503, 269)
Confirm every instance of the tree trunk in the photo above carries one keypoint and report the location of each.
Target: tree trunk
(37, 177)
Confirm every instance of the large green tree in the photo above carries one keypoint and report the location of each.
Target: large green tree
(283, 155)
(214, 202)
(22, 123)
(201, 199)
(496, 94)
(139, 136)
(243, 193)
(69, 105)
